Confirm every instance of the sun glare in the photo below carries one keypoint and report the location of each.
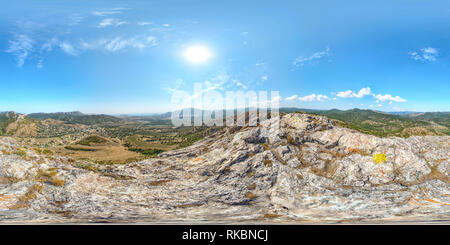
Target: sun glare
(197, 54)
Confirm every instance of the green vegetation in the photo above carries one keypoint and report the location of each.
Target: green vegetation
(76, 117)
(21, 152)
(148, 152)
(442, 118)
(49, 176)
(68, 147)
(384, 124)
(5, 119)
(91, 139)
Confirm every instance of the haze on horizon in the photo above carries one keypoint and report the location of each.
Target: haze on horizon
(125, 57)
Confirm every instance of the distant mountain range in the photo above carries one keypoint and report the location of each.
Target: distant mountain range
(76, 117)
(378, 123)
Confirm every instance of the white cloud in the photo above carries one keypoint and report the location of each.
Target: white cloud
(110, 22)
(21, 47)
(264, 78)
(48, 46)
(144, 23)
(120, 44)
(314, 97)
(293, 97)
(107, 12)
(165, 25)
(350, 94)
(388, 97)
(68, 48)
(239, 84)
(300, 61)
(426, 54)
(75, 19)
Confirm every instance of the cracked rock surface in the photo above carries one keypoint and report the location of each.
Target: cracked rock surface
(311, 170)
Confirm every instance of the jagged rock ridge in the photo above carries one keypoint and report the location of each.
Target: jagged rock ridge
(309, 171)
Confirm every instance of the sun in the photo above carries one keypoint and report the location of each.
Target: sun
(197, 54)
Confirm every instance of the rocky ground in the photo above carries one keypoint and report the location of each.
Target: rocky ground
(309, 171)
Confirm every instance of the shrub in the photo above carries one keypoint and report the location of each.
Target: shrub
(49, 177)
(291, 140)
(43, 151)
(21, 152)
(267, 162)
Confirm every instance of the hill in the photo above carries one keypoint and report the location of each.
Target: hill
(311, 170)
(442, 118)
(5, 119)
(385, 124)
(76, 117)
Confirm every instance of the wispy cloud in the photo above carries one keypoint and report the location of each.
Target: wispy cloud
(68, 48)
(110, 22)
(239, 84)
(264, 78)
(350, 94)
(75, 19)
(107, 12)
(21, 47)
(120, 44)
(301, 61)
(244, 36)
(388, 97)
(426, 54)
(144, 23)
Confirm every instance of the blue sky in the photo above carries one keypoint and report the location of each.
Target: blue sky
(127, 56)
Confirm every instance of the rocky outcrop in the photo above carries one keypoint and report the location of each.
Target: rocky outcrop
(309, 171)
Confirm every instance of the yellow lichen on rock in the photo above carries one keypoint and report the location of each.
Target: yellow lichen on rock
(379, 158)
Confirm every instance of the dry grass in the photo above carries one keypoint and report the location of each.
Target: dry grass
(250, 195)
(357, 151)
(9, 180)
(49, 176)
(118, 176)
(43, 151)
(22, 153)
(328, 171)
(5, 152)
(267, 162)
(271, 216)
(291, 140)
(65, 213)
(89, 167)
(24, 201)
(189, 205)
(159, 182)
(110, 154)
